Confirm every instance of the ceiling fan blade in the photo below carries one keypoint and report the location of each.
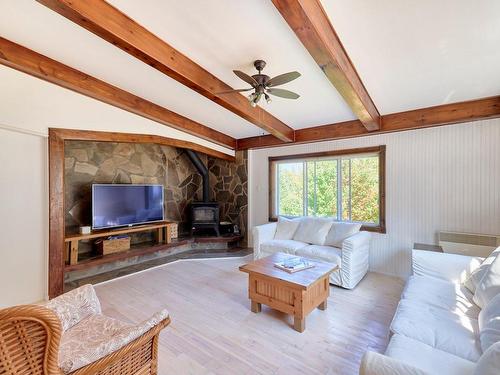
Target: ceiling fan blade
(283, 93)
(245, 77)
(283, 78)
(230, 91)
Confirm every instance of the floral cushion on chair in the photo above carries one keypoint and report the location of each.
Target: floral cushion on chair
(73, 306)
(97, 336)
(87, 334)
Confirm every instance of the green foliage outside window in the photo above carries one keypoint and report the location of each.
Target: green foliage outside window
(291, 180)
(359, 188)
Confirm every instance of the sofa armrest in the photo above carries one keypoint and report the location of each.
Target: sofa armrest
(75, 305)
(446, 266)
(357, 241)
(260, 234)
(355, 259)
(378, 364)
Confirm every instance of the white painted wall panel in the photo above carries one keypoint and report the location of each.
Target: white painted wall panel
(444, 178)
(23, 218)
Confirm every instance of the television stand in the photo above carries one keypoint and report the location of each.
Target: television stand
(71, 241)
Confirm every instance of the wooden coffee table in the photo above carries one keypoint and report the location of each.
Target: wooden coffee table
(296, 293)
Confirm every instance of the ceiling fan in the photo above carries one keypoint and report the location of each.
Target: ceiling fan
(263, 84)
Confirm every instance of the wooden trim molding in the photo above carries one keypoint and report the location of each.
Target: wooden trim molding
(324, 154)
(446, 114)
(27, 61)
(57, 137)
(111, 24)
(308, 20)
(380, 150)
(56, 214)
(102, 136)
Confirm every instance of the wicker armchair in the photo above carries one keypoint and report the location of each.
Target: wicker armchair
(69, 335)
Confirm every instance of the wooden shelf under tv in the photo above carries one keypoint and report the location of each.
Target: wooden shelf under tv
(148, 249)
(71, 241)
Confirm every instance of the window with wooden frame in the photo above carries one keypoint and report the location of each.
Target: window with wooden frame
(348, 185)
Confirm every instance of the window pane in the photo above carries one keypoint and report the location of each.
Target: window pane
(346, 193)
(290, 189)
(311, 190)
(365, 189)
(326, 188)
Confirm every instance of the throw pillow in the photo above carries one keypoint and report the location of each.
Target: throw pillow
(313, 230)
(286, 228)
(489, 286)
(489, 323)
(489, 362)
(340, 231)
(476, 275)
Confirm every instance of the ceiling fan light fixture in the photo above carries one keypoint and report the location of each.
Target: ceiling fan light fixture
(262, 84)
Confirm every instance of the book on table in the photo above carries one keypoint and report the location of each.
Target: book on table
(294, 264)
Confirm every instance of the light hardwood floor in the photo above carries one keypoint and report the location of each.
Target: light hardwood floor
(213, 330)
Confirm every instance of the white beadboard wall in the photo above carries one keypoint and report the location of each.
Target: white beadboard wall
(443, 178)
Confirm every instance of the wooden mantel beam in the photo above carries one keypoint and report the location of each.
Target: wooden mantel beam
(446, 114)
(25, 60)
(117, 28)
(310, 23)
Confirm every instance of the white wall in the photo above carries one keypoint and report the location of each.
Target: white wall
(28, 107)
(444, 178)
(23, 217)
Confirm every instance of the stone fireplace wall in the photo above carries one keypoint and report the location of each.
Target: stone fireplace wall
(110, 162)
(229, 185)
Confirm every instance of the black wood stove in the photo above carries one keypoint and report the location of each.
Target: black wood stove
(204, 214)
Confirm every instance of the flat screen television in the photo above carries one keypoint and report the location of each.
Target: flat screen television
(118, 205)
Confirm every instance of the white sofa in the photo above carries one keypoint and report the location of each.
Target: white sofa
(436, 328)
(315, 238)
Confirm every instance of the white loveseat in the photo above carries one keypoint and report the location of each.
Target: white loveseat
(318, 238)
(438, 328)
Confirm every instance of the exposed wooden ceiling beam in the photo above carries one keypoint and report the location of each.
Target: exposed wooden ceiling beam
(25, 60)
(117, 28)
(445, 114)
(453, 113)
(340, 130)
(310, 23)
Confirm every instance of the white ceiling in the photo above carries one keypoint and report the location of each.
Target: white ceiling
(409, 54)
(224, 35)
(34, 26)
(412, 54)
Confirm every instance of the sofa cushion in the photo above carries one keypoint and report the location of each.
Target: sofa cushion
(324, 253)
(427, 358)
(489, 286)
(475, 277)
(284, 246)
(286, 228)
(313, 230)
(489, 323)
(441, 294)
(339, 231)
(449, 332)
(489, 363)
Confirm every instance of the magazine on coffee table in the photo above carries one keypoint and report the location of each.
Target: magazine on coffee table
(295, 264)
